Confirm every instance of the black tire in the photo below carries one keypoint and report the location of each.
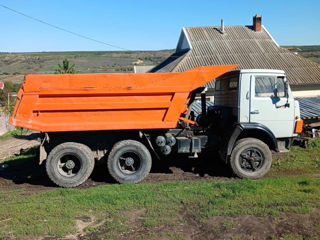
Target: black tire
(129, 161)
(251, 158)
(70, 164)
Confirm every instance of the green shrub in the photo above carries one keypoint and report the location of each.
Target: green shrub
(314, 143)
(8, 88)
(11, 86)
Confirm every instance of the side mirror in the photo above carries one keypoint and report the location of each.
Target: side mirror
(286, 89)
(286, 93)
(275, 92)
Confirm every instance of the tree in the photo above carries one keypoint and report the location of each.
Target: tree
(7, 106)
(65, 67)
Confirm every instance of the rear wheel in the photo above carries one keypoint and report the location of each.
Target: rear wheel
(251, 158)
(129, 161)
(70, 164)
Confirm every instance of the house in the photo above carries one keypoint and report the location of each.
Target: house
(142, 69)
(252, 47)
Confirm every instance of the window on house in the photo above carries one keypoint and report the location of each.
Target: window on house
(218, 85)
(233, 83)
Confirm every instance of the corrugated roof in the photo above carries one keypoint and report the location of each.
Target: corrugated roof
(169, 64)
(196, 106)
(309, 107)
(240, 45)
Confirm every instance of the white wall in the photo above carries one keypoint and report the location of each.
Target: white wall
(4, 124)
(183, 43)
(306, 93)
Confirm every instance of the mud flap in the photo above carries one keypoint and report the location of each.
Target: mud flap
(43, 154)
(301, 142)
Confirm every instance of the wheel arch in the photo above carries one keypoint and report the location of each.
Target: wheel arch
(253, 130)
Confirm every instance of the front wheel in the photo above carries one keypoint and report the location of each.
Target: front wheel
(129, 161)
(251, 158)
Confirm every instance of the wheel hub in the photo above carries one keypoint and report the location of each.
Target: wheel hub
(70, 164)
(129, 161)
(251, 159)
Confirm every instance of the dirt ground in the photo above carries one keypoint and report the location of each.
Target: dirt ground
(13, 146)
(246, 227)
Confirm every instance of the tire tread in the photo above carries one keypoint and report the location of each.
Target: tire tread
(83, 148)
(116, 148)
(263, 147)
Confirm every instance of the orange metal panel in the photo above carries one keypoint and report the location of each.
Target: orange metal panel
(84, 102)
(178, 105)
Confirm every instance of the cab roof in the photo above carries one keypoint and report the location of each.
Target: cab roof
(262, 71)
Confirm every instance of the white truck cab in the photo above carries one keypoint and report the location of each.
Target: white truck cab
(254, 113)
(266, 98)
(260, 96)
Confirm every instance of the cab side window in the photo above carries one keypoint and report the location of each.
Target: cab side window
(269, 86)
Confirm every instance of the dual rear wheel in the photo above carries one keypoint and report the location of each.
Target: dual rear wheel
(70, 164)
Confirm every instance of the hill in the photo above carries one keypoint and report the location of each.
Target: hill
(310, 52)
(13, 66)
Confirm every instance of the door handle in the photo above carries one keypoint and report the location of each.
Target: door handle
(255, 112)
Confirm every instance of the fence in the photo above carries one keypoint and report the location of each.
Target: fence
(4, 124)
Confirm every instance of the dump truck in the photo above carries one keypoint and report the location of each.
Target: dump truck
(126, 120)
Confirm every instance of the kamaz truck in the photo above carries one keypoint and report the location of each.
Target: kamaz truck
(124, 121)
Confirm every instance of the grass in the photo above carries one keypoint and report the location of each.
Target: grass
(54, 212)
(14, 133)
(120, 207)
(298, 161)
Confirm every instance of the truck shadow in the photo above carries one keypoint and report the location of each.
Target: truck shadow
(25, 169)
(32, 136)
(209, 164)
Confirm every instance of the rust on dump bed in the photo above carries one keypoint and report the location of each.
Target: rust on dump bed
(85, 102)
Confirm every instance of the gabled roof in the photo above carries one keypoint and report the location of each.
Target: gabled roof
(199, 46)
(171, 62)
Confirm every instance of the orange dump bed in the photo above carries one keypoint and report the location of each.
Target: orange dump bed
(85, 102)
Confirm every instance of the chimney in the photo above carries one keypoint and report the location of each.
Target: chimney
(222, 26)
(257, 23)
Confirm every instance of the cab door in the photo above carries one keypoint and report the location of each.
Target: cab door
(271, 104)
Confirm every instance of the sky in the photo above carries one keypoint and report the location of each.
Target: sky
(146, 24)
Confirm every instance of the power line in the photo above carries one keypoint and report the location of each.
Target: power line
(62, 29)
